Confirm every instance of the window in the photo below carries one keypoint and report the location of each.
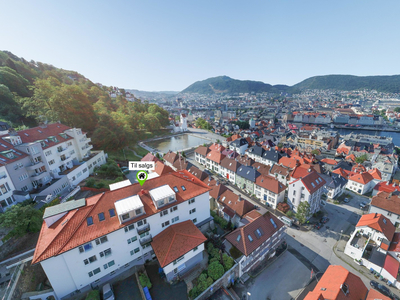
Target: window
(141, 222)
(129, 228)
(195, 248)
(47, 153)
(250, 238)
(85, 247)
(84, 170)
(89, 221)
(176, 219)
(90, 260)
(176, 189)
(179, 259)
(138, 211)
(183, 188)
(166, 223)
(23, 177)
(101, 240)
(101, 216)
(125, 216)
(111, 212)
(192, 211)
(52, 162)
(163, 213)
(172, 209)
(142, 235)
(131, 240)
(109, 264)
(24, 188)
(136, 250)
(389, 214)
(194, 220)
(191, 201)
(105, 253)
(294, 193)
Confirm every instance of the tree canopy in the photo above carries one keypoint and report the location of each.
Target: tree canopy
(303, 212)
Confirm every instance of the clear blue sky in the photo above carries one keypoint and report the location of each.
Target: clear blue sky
(168, 45)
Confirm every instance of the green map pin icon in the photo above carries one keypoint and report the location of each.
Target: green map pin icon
(141, 177)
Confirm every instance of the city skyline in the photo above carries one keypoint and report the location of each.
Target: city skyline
(157, 46)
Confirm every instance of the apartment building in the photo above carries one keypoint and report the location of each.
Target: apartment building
(308, 188)
(84, 243)
(47, 160)
(269, 190)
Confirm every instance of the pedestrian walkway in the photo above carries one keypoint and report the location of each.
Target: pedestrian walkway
(339, 252)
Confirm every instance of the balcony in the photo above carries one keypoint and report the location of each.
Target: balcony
(143, 228)
(35, 165)
(359, 241)
(67, 159)
(147, 239)
(39, 175)
(61, 150)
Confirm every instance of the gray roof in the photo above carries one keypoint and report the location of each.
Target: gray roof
(63, 207)
(248, 173)
(272, 155)
(256, 150)
(337, 181)
(239, 142)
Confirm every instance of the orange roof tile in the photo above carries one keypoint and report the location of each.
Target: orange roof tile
(330, 283)
(329, 161)
(379, 223)
(376, 174)
(288, 162)
(271, 184)
(311, 183)
(71, 230)
(391, 265)
(149, 157)
(375, 295)
(175, 241)
(215, 156)
(362, 178)
(252, 215)
(162, 169)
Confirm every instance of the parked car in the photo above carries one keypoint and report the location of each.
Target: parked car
(381, 288)
(125, 170)
(318, 226)
(363, 204)
(346, 200)
(108, 293)
(324, 220)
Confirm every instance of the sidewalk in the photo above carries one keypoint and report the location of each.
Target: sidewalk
(338, 249)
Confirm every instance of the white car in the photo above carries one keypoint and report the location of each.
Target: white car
(108, 293)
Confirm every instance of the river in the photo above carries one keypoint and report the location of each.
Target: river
(394, 135)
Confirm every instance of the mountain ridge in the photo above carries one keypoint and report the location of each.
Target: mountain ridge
(224, 84)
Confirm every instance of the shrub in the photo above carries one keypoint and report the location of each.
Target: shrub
(228, 261)
(90, 182)
(290, 214)
(100, 185)
(145, 281)
(93, 295)
(209, 281)
(215, 253)
(235, 253)
(213, 259)
(215, 270)
(118, 179)
(210, 247)
(194, 292)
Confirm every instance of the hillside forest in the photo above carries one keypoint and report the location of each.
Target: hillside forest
(34, 92)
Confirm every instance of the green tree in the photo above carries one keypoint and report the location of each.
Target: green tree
(22, 220)
(397, 109)
(303, 212)
(215, 270)
(361, 159)
(315, 152)
(228, 261)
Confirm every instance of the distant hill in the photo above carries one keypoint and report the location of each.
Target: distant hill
(349, 82)
(225, 84)
(145, 94)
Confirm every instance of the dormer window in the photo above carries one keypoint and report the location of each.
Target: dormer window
(129, 208)
(125, 217)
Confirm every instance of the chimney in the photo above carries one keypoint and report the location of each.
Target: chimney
(376, 215)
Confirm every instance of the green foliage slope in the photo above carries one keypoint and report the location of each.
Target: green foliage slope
(33, 92)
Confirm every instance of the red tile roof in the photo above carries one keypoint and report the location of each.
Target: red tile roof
(17, 154)
(215, 156)
(149, 157)
(175, 241)
(310, 182)
(280, 170)
(264, 223)
(376, 174)
(162, 169)
(252, 215)
(270, 184)
(379, 223)
(288, 162)
(171, 157)
(202, 150)
(198, 173)
(262, 168)
(375, 295)
(329, 161)
(387, 201)
(230, 164)
(391, 265)
(216, 147)
(330, 283)
(71, 230)
(300, 171)
(231, 200)
(384, 186)
(362, 178)
(341, 172)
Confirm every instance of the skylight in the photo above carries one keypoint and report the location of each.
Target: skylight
(183, 188)
(176, 189)
(238, 238)
(101, 217)
(89, 221)
(250, 238)
(273, 222)
(312, 183)
(223, 199)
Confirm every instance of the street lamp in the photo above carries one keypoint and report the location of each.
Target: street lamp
(341, 232)
(248, 295)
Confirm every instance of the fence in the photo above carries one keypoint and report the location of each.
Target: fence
(8, 295)
(224, 281)
(72, 193)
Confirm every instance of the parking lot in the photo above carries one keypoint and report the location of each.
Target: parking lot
(127, 289)
(283, 280)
